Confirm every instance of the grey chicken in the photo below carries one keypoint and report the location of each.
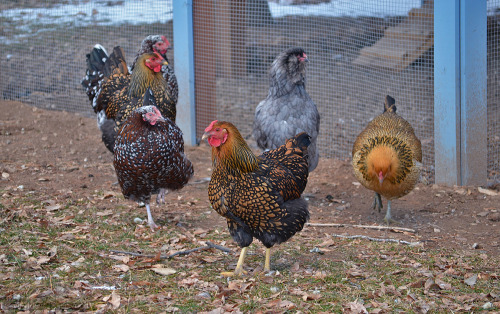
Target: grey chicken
(288, 109)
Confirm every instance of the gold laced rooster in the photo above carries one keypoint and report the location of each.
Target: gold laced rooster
(387, 157)
(260, 196)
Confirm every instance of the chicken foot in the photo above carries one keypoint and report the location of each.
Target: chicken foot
(151, 222)
(388, 217)
(239, 266)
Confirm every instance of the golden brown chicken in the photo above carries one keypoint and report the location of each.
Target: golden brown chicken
(387, 157)
(260, 196)
(115, 92)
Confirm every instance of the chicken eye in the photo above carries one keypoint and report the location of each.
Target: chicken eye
(217, 129)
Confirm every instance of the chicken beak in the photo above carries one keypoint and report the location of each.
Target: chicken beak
(164, 62)
(381, 177)
(205, 136)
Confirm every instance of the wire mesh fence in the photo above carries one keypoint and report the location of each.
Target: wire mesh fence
(358, 54)
(360, 51)
(43, 48)
(493, 90)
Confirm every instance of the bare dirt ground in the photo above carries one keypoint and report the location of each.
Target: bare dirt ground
(60, 154)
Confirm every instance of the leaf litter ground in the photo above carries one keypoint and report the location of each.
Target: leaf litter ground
(64, 223)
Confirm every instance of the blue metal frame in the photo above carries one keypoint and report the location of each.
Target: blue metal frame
(184, 68)
(474, 150)
(460, 132)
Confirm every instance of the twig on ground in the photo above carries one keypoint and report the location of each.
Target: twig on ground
(361, 226)
(376, 239)
(218, 247)
(209, 245)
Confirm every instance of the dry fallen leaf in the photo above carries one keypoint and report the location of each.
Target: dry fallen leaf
(313, 296)
(113, 299)
(52, 252)
(105, 213)
(471, 281)
(164, 271)
(355, 308)
(356, 273)
(52, 207)
(487, 191)
(42, 260)
(431, 285)
(210, 259)
(443, 285)
(122, 268)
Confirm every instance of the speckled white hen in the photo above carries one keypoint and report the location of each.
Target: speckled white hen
(149, 156)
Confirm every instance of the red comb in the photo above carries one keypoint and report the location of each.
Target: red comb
(211, 126)
(165, 40)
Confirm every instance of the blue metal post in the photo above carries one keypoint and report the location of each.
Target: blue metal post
(460, 91)
(447, 92)
(473, 115)
(184, 68)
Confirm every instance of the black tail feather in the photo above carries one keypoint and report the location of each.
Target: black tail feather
(302, 140)
(389, 104)
(100, 66)
(95, 67)
(116, 61)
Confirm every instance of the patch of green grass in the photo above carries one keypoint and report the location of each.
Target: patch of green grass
(377, 276)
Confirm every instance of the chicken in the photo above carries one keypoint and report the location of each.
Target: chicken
(288, 109)
(260, 196)
(160, 44)
(387, 157)
(115, 93)
(149, 155)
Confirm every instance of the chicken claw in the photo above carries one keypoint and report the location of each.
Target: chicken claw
(239, 266)
(388, 217)
(151, 222)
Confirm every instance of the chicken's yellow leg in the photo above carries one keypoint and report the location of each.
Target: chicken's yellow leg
(267, 263)
(239, 267)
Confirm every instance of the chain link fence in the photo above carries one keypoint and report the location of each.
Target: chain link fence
(359, 50)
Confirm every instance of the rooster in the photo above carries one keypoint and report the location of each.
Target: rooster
(149, 155)
(115, 92)
(160, 44)
(260, 196)
(387, 157)
(288, 109)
